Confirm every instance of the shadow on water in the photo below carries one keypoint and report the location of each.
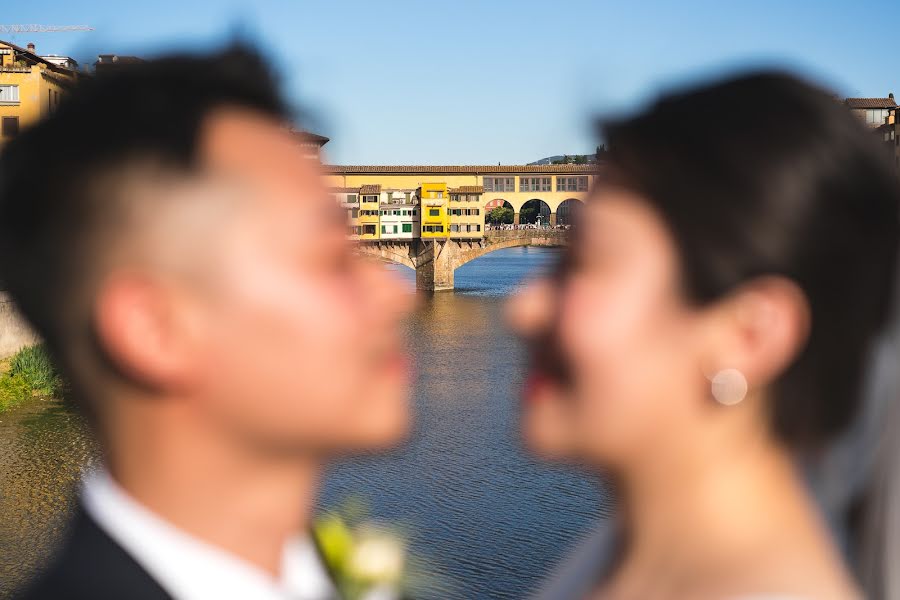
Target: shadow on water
(481, 513)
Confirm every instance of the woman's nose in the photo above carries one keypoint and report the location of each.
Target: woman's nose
(530, 311)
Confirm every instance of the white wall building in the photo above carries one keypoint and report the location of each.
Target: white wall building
(399, 218)
(62, 61)
(348, 198)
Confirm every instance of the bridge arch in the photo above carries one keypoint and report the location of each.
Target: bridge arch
(506, 218)
(500, 240)
(567, 209)
(435, 261)
(535, 210)
(398, 253)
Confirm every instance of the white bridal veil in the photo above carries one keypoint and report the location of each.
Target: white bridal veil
(864, 466)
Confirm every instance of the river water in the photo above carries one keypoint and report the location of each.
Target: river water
(479, 511)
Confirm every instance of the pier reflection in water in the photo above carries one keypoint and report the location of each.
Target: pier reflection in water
(489, 519)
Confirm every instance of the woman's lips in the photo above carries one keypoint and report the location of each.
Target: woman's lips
(536, 386)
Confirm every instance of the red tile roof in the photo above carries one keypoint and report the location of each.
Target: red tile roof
(870, 102)
(370, 189)
(344, 190)
(468, 169)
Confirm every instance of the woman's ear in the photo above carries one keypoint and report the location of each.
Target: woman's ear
(762, 327)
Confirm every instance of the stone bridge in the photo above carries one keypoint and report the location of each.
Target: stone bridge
(435, 260)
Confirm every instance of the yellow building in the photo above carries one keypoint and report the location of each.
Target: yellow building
(555, 189)
(368, 218)
(466, 212)
(31, 87)
(435, 212)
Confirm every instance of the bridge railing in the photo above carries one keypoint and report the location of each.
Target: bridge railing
(506, 234)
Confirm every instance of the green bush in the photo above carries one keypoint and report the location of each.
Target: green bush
(31, 373)
(13, 390)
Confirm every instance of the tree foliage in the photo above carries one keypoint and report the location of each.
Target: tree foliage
(500, 215)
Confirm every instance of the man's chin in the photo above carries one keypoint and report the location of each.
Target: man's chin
(379, 419)
(390, 426)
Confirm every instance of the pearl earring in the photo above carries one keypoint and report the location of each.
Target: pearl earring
(729, 386)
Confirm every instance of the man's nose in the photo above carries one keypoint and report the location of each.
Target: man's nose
(530, 311)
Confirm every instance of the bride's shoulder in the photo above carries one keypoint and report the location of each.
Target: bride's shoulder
(578, 573)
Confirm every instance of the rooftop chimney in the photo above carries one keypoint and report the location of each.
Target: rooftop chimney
(30, 47)
(891, 95)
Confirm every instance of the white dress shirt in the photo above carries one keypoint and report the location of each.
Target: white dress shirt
(191, 569)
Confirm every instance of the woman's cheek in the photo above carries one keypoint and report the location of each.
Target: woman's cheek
(581, 327)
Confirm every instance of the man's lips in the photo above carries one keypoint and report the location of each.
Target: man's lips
(398, 363)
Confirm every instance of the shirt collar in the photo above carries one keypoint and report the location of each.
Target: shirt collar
(191, 569)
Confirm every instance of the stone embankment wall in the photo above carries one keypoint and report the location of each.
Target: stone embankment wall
(14, 332)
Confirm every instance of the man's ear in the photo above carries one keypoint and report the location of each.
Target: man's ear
(140, 326)
(762, 327)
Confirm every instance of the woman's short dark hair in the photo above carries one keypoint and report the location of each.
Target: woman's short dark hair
(765, 174)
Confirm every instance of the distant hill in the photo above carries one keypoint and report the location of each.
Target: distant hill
(572, 159)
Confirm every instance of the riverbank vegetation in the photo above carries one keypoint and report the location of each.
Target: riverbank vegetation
(27, 374)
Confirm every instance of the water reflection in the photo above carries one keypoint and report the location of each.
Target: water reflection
(43, 448)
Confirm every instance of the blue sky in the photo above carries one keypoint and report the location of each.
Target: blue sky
(431, 82)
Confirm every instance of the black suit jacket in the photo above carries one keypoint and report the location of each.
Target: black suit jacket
(91, 565)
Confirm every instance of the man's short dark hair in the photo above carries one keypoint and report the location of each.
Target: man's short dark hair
(51, 212)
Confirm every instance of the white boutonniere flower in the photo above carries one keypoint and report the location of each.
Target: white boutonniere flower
(366, 559)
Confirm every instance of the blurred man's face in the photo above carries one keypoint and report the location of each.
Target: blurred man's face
(300, 347)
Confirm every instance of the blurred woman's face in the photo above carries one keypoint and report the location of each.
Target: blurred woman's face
(626, 345)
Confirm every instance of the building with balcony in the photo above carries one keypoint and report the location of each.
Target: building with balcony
(368, 220)
(400, 218)
(435, 215)
(880, 114)
(61, 61)
(348, 199)
(31, 87)
(466, 212)
(531, 191)
(874, 112)
(400, 221)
